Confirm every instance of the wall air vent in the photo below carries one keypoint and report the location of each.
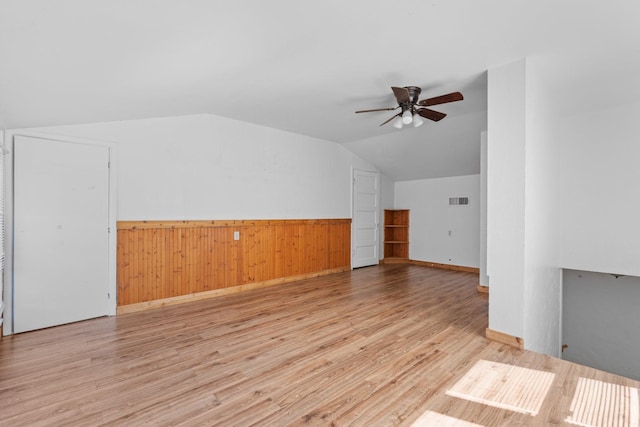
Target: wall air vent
(458, 201)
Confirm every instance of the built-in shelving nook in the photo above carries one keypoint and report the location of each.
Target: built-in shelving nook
(396, 235)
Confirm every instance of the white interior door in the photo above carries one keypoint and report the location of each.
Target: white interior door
(366, 194)
(61, 232)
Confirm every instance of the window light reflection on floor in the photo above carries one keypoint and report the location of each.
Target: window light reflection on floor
(597, 403)
(504, 386)
(430, 419)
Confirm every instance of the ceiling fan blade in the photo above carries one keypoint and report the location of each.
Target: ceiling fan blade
(402, 94)
(376, 109)
(389, 119)
(436, 116)
(442, 99)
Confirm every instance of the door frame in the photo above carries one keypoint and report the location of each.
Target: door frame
(9, 195)
(353, 203)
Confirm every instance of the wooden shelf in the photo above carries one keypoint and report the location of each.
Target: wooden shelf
(396, 235)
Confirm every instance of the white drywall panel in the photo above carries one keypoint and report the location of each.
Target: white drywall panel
(439, 232)
(209, 167)
(599, 205)
(543, 279)
(505, 197)
(484, 277)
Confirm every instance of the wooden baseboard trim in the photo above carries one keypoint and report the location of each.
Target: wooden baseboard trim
(503, 338)
(394, 261)
(147, 305)
(482, 289)
(446, 266)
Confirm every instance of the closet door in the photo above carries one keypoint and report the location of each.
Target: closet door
(61, 232)
(366, 193)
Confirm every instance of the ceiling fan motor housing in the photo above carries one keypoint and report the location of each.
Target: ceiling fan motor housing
(414, 93)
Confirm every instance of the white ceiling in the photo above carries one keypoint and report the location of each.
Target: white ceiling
(305, 67)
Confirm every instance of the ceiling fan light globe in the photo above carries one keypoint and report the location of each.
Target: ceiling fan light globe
(417, 121)
(407, 118)
(397, 123)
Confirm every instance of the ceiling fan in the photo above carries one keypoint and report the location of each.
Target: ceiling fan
(411, 109)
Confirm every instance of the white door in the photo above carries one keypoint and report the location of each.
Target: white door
(61, 226)
(366, 194)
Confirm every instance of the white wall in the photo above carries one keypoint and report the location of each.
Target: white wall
(505, 197)
(560, 195)
(522, 262)
(209, 167)
(599, 232)
(599, 206)
(483, 280)
(601, 319)
(543, 279)
(432, 218)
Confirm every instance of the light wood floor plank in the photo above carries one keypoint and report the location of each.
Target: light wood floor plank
(374, 346)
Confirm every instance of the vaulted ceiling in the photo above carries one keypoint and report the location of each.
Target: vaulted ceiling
(305, 67)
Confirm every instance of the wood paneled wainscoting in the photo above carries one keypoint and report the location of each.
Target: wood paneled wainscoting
(167, 262)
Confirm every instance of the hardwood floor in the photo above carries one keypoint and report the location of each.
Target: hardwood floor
(375, 346)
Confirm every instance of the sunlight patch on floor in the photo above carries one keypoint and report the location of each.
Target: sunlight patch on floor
(597, 403)
(504, 386)
(430, 419)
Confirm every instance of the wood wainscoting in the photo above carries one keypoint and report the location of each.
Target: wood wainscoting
(165, 260)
